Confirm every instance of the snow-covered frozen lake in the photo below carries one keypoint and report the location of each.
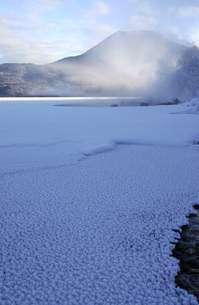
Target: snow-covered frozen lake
(89, 199)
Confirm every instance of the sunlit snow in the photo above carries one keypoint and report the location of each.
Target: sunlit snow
(89, 199)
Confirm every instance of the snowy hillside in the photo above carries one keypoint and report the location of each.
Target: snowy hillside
(92, 201)
(125, 63)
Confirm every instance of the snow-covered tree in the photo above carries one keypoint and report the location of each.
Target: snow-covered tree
(180, 79)
(187, 73)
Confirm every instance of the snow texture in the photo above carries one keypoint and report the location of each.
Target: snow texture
(99, 231)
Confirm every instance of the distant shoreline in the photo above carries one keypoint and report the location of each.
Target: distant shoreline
(92, 101)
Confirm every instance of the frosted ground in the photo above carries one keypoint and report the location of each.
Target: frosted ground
(89, 199)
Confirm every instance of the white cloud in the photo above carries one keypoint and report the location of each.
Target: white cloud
(185, 11)
(47, 4)
(30, 42)
(94, 35)
(99, 8)
(174, 18)
(46, 30)
(85, 35)
(147, 9)
(40, 5)
(194, 37)
(24, 43)
(140, 22)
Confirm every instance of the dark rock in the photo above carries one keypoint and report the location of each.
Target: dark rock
(187, 252)
(176, 101)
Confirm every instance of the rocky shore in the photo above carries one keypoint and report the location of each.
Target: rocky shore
(187, 251)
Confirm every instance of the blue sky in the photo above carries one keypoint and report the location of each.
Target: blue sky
(43, 31)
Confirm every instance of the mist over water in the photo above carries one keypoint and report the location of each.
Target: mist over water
(124, 64)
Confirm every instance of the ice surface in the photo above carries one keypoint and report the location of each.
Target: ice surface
(39, 134)
(97, 231)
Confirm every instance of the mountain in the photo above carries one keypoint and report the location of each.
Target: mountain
(125, 63)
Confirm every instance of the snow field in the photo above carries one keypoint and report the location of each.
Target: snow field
(97, 231)
(35, 135)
